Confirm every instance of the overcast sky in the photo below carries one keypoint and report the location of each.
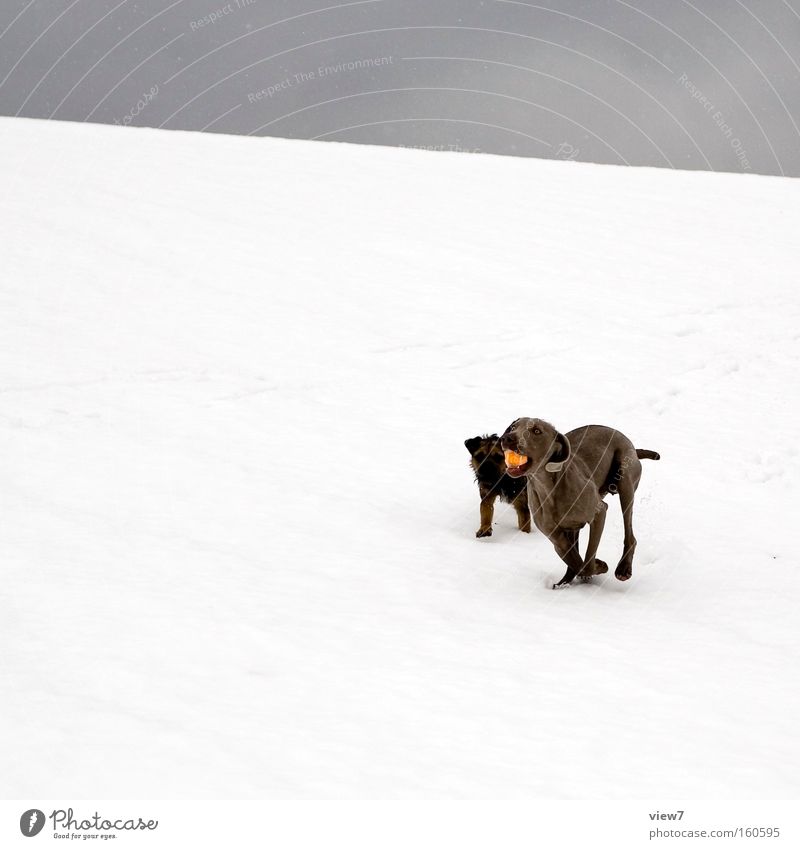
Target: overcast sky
(711, 84)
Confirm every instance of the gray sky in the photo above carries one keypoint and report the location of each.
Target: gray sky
(706, 84)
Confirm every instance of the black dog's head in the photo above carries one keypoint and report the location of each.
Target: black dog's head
(486, 458)
(538, 442)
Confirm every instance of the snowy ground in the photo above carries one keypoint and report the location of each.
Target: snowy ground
(236, 519)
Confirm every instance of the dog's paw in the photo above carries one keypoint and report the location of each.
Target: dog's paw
(623, 571)
(483, 532)
(526, 529)
(597, 567)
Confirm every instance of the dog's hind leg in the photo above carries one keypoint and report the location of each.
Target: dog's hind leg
(566, 545)
(523, 513)
(591, 565)
(627, 491)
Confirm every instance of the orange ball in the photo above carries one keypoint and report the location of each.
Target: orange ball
(514, 459)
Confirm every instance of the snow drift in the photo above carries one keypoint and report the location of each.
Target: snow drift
(236, 519)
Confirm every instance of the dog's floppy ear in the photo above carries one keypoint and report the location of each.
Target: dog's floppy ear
(560, 454)
(473, 444)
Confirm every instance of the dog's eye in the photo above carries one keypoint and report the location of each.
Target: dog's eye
(536, 431)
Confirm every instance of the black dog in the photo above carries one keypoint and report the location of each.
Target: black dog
(489, 466)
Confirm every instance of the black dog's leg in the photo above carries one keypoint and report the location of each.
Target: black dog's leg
(523, 513)
(487, 513)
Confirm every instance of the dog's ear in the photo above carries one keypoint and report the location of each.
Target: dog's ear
(560, 455)
(473, 444)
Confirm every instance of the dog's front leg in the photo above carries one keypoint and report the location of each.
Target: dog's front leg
(487, 513)
(566, 544)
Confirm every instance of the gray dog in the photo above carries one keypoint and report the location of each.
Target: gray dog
(568, 477)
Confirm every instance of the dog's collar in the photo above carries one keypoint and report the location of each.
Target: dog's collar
(562, 450)
(555, 465)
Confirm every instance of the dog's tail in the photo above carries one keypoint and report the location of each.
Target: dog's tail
(644, 454)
